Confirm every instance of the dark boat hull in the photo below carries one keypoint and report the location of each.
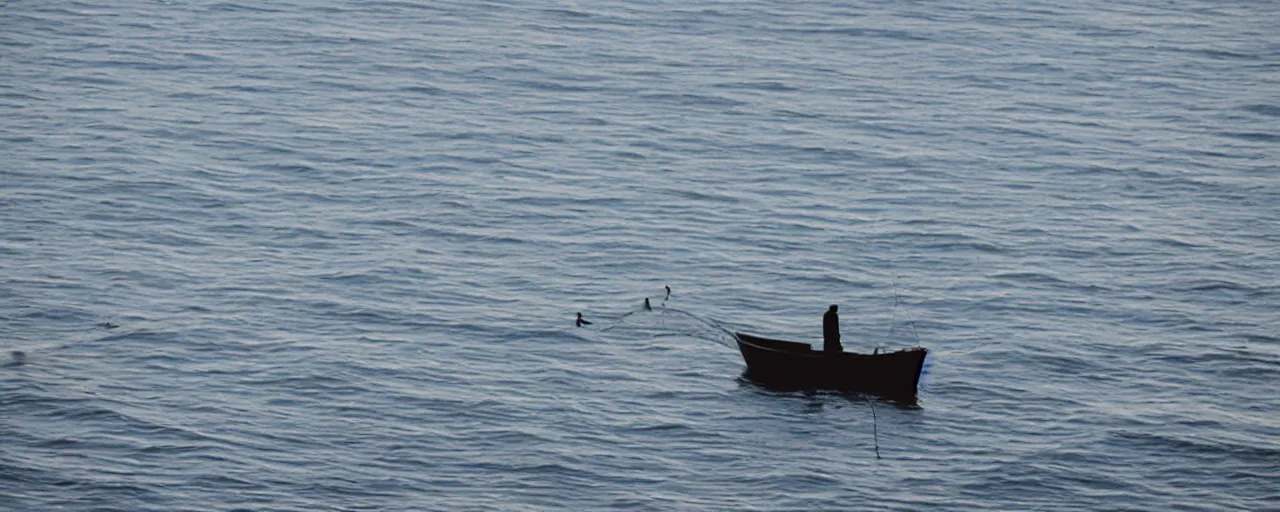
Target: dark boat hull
(792, 365)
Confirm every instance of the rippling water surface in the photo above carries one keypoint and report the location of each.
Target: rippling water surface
(309, 255)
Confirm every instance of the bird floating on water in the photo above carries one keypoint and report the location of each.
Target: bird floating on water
(664, 299)
(581, 322)
(647, 307)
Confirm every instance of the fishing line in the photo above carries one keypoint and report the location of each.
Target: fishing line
(893, 319)
(875, 427)
(893, 322)
(705, 328)
(718, 327)
(913, 326)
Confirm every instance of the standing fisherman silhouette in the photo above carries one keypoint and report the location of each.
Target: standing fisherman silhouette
(581, 322)
(831, 331)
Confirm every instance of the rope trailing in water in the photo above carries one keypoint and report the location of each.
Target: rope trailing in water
(875, 427)
(718, 329)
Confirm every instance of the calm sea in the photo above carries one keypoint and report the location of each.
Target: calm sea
(308, 255)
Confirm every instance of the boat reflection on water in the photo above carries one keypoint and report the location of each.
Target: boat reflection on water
(820, 398)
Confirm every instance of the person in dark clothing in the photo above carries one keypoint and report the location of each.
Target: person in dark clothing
(581, 321)
(831, 331)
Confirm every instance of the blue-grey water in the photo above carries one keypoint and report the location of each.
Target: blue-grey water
(326, 256)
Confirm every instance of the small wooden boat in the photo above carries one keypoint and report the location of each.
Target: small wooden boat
(793, 366)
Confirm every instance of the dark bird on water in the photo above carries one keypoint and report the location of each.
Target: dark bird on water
(581, 322)
(668, 292)
(647, 307)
